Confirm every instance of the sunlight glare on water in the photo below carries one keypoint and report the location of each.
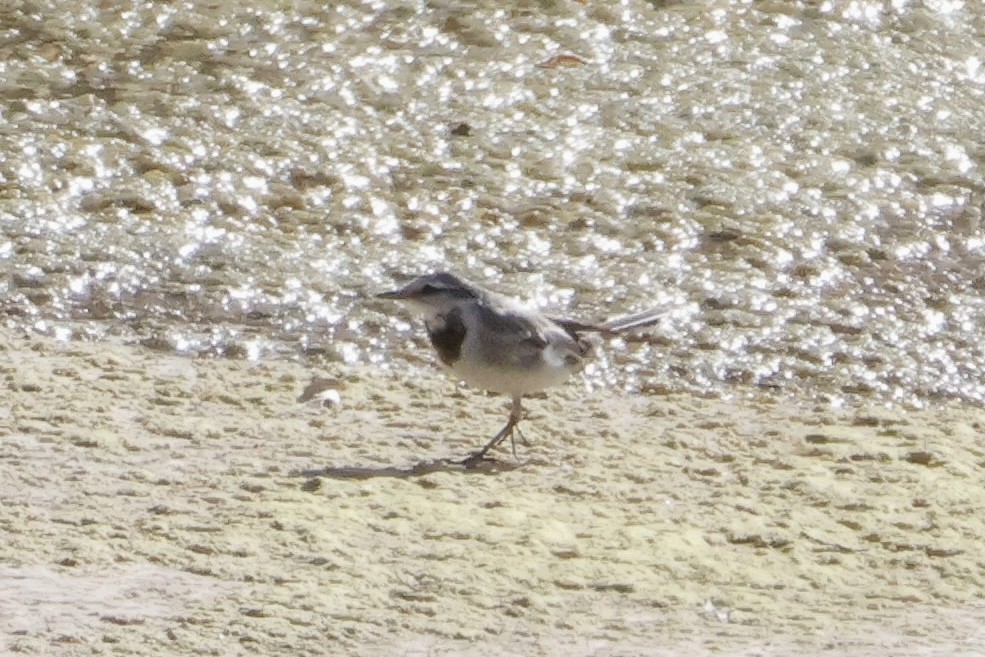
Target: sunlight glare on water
(798, 184)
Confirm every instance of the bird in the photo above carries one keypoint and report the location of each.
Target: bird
(499, 344)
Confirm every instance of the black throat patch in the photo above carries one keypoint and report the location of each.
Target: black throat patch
(447, 338)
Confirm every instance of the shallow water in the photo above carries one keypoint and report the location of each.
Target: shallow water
(798, 184)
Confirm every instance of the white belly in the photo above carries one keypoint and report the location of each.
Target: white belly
(548, 371)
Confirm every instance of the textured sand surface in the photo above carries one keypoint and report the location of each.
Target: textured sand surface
(151, 504)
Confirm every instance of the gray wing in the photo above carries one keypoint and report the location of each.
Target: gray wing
(517, 339)
(573, 327)
(510, 327)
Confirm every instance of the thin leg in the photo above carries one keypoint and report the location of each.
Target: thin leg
(516, 412)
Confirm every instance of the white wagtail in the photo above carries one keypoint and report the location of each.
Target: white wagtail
(496, 343)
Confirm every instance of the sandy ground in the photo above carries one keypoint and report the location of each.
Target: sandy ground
(159, 505)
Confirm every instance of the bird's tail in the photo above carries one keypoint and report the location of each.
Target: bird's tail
(617, 325)
(631, 322)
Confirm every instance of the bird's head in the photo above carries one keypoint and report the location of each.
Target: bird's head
(433, 294)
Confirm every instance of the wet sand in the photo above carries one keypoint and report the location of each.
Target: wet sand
(158, 504)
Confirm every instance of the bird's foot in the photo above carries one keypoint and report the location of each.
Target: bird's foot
(473, 460)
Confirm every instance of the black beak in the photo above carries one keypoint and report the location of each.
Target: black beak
(394, 294)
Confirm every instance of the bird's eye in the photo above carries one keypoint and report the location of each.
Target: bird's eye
(428, 289)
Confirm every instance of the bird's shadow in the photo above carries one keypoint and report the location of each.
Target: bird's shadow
(463, 466)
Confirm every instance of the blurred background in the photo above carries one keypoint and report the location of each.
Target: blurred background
(797, 184)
